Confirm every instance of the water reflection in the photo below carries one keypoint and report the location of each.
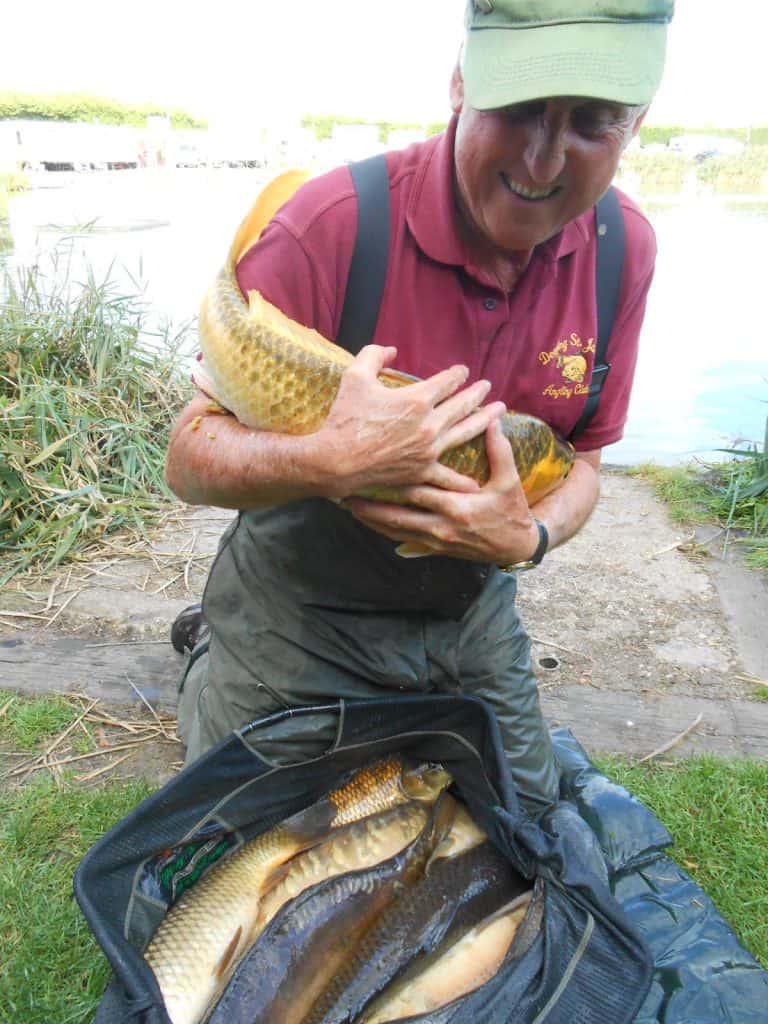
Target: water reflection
(702, 375)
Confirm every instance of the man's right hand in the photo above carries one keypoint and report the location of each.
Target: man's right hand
(379, 436)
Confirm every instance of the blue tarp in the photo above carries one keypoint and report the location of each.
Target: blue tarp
(702, 974)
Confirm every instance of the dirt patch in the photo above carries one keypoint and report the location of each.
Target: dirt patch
(630, 604)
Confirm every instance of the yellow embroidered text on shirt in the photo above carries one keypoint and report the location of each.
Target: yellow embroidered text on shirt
(572, 366)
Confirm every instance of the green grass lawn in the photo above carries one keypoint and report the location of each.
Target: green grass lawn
(53, 970)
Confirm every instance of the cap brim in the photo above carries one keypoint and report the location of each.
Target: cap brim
(618, 62)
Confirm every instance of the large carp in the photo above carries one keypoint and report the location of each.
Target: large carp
(274, 374)
(315, 933)
(203, 937)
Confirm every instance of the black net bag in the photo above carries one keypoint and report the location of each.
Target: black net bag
(576, 957)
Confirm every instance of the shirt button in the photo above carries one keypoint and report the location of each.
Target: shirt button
(489, 304)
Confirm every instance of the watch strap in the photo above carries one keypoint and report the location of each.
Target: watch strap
(541, 547)
(538, 554)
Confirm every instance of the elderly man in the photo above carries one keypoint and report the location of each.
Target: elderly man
(489, 298)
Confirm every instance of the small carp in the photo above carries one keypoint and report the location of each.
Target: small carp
(204, 935)
(356, 846)
(314, 934)
(458, 893)
(386, 784)
(466, 965)
(275, 374)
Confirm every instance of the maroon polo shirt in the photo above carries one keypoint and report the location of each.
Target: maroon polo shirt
(535, 343)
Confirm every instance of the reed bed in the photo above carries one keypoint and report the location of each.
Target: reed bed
(734, 493)
(86, 402)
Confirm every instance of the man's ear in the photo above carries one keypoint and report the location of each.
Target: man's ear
(456, 91)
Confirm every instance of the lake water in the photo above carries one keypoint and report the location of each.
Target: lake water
(702, 376)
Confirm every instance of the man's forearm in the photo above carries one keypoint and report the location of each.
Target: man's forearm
(214, 460)
(567, 509)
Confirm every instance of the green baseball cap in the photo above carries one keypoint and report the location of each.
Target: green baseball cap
(519, 50)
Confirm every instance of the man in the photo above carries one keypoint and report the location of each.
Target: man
(489, 298)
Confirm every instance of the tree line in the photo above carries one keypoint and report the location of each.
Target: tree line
(83, 108)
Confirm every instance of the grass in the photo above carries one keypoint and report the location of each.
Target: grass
(53, 969)
(717, 812)
(85, 410)
(734, 493)
(26, 723)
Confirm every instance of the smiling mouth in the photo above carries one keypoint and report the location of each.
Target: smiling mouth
(530, 194)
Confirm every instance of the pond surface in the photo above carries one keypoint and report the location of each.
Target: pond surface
(702, 375)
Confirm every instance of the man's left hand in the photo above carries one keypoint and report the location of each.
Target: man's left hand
(492, 524)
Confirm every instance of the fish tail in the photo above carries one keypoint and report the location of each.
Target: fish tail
(414, 550)
(274, 195)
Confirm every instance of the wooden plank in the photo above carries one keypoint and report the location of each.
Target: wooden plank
(603, 721)
(35, 663)
(622, 723)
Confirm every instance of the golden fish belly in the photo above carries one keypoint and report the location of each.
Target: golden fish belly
(273, 374)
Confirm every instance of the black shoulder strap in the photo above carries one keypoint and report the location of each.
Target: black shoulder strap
(368, 269)
(609, 224)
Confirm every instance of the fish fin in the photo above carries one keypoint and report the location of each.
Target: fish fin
(274, 878)
(305, 829)
(275, 194)
(443, 817)
(202, 380)
(222, 967)
(397, 378)
(413, 550)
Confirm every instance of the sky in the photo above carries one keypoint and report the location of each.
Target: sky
(266, 61)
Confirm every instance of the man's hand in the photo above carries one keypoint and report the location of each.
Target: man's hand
(490, 524)
(379, 436)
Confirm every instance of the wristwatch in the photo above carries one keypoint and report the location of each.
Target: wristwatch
(536, 557)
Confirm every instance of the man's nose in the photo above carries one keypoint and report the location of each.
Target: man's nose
(545, 151)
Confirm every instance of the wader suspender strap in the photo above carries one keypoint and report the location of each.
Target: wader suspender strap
(368, 271)
(609, 261)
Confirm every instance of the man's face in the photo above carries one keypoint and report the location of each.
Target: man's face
(523, 172)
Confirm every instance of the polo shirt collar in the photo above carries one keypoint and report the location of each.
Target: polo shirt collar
(437, 235)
